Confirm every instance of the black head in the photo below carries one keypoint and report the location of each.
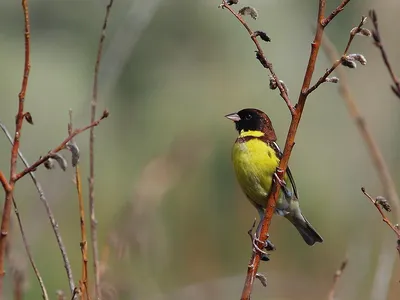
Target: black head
(253, 119)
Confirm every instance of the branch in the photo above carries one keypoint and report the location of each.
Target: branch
(261, 56)
(49, 212)
(337, 62)
(296, 112)
(93, 221)
(379, 203)
(378, 43)
(333, 14)
(5, 220)
(336, 277)
(83, 282)
(45, 296)
(4, 182)
(84, 286)
(59, 147)
(375, 153)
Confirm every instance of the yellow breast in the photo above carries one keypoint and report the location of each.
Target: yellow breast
(255, 163)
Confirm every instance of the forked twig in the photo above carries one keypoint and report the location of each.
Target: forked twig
(376, 155)
(339, 61)
(261, 56)
(296, 113)
(5, 220)
(49, 212)
(60, 147)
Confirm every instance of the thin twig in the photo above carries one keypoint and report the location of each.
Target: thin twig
(83, 282)
(378, 43)
(49, 212)
(93, 221)
(5, 220)
(384, 218)
(381, 167)
(337, 62)
(296, 112)
(29, 253)
(333, 14)
(84, 279)
(60, 147)
(336, 277)
(261, 56)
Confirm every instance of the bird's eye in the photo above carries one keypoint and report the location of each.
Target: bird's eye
(248, 117)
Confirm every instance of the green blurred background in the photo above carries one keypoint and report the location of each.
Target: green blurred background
(172, 221)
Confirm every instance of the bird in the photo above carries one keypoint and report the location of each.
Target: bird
(255, 157)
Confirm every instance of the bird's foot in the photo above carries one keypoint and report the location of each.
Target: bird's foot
(267, 245)
(281, 182)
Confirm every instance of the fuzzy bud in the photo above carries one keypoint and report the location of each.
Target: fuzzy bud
(332, 79)
(250, 11)
(383, 202)
(357, 57)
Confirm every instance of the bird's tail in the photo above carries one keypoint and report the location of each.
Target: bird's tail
(309, 234)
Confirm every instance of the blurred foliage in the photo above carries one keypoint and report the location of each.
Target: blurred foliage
(172, 220)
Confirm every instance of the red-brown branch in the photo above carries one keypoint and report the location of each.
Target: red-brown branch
(4, 182)
(333, 14)
(5, 220)
(93, 221)
(296, 116)
(58, 148)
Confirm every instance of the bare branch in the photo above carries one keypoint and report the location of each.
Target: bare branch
(336, 277)
(49, 212)
(93, 221)
(261, 56)
(378, 43)
(29, 253)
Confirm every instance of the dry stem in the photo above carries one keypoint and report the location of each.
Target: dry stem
(336, 277)
(378, 43)
(49, 212)
(384, 218)
(93, 221)
(336, 62)
(60, 147)
(29, 253)
(84, 280)
(5, 220)
(296, 116)
(386, 179)
(261, 56)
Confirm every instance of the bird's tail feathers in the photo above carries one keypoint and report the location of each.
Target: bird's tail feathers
(309, 234)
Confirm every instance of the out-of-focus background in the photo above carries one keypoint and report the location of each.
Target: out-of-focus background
(172, 221)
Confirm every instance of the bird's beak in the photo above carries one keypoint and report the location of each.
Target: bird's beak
(233, 117)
